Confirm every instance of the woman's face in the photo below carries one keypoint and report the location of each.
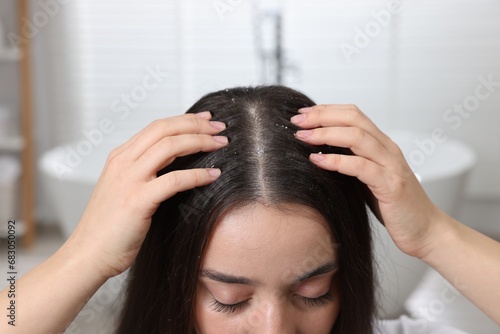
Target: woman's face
(267, 270)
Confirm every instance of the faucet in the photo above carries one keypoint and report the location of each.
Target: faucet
(267, 25)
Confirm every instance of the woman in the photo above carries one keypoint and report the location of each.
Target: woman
(273, 244)
(266, 173)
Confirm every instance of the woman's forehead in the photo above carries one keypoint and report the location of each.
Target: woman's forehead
(266, 241)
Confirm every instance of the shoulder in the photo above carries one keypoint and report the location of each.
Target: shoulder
(405, 325)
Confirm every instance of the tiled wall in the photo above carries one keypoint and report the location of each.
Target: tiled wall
(421, 62)
(410, 68)
(9, 70)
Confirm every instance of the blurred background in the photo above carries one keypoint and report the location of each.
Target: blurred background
(78, 78)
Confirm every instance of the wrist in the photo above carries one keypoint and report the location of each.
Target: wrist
(443, 233)
(77, 257)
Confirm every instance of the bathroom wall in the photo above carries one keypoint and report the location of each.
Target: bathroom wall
(428, 56)
(448, 50)
(421, 70)
(9, 77)
(44, 78)
(427, 59)
(72, 94)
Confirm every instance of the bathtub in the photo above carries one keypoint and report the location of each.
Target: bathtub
(443, 175)
(70, 185)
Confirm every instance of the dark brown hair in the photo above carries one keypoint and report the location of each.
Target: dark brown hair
(265, 163)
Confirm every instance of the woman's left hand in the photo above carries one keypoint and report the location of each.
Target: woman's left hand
(399, 200)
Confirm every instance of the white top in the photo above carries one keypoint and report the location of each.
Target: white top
(405, 325)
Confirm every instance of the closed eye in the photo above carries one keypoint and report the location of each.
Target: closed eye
(317, 301)
(226, 308)
(308, 302)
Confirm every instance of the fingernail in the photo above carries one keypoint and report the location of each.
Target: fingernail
(204, 115)
(214, 172)
(316, 157)
(305, 110)
(297, 119)
(220, 139)
(304, 133)
(218, 125)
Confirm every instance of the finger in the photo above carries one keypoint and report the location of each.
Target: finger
(360, 142)
(328, 115)
(128, 143)
(364, 170)
(167, 185)
(158, 129)
(371, 174)
(167, 149)
(172, 126)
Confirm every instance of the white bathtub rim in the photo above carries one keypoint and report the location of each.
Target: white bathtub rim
(466, 161)
(56, 155)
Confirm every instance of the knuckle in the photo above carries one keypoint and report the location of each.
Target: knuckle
(335, 159)
(354, 113)
(361, 164)
(203, 126)
(194, 122)
(320, 109)
(174, 180)
(394, 148)
(205, 142)
(405, 170)
(157, 124)
(397, 150)
(358, 135)
(396, 183)
(113, 161)
(195, 125)
(165, 148)
(113, 154)
(197, 178)
(353, 107)
(317, 135)
(170, 142)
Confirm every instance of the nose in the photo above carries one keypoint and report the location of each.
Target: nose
(274, 318)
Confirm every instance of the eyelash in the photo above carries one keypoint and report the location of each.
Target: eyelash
(226, 308)
(316, 302)
(309, 302)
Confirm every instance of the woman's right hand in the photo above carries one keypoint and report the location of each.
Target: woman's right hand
(397, 198)
(128, 192)
(466, 258)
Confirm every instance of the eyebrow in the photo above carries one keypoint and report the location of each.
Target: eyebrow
(230, 279)
(323, 269)
(226, 278)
